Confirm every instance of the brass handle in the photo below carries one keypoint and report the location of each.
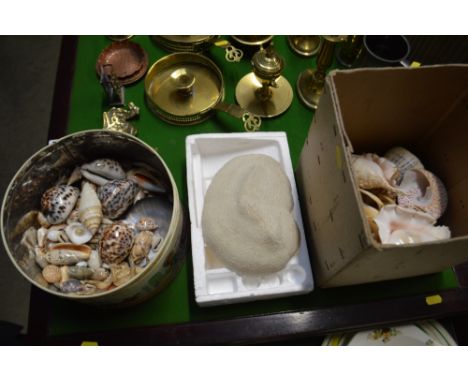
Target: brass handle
(183, 81)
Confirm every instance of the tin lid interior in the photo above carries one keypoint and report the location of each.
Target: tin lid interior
(184, 84)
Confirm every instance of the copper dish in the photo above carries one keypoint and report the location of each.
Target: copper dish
(129, 61)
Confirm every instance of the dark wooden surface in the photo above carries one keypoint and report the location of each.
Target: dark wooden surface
(271, 328)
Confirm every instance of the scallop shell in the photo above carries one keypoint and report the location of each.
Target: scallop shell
(52, 274)
(57, 203)
(116, 243)
(103, 170)
(67, 254)
(116, 196)
(371, 172)
(404, 159)
(78, 233)
(398, 225)
(423, 191)
(90, 209)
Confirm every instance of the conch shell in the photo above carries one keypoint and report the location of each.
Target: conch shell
(398, 225)
(90, 209)
(423, 191)
(372, 171)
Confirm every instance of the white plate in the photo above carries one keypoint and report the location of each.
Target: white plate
(426, 333)
(214, 283)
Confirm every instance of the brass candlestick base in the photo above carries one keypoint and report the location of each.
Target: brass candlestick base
(264, 101)
(309, 89)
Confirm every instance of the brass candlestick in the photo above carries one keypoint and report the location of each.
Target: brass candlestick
(265, 92)
(311, 82)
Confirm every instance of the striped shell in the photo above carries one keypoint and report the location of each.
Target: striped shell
(90, 209)
(57, 203)
(116, 243)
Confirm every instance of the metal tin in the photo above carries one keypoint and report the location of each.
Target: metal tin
(180, 103)
(49, 164)
(129, 61)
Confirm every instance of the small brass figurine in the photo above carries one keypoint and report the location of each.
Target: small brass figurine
(116, 119)
(113, 88)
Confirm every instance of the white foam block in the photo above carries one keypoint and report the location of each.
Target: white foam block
(215, 284)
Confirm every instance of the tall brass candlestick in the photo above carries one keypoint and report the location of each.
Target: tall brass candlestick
(311, 82)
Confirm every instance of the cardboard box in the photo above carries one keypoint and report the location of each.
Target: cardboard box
(371, 110)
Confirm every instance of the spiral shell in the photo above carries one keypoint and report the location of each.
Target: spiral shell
(57, 203)
(116, 243)
(116, 196)
(90, 209)
(78, 233)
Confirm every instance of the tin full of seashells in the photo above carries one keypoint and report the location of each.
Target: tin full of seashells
(72, 245)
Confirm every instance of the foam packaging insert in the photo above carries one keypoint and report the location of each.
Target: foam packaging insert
(214, 283)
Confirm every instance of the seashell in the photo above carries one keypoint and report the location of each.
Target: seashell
(371, 172)
(90, 209)
(67, 254)
(102, 284)
(116, 243)
(74, 215)
(42, 220)
(75, 176)
(100, 274)
(71, 286)
(121, 273)
(146, 180)
(424, 192)
(77, 233)
(94, 261)
(57, 203)
(403, 159)
(82, 263)
(146, 223)
(398, 225)
(52, 274)
(141, 246)
(116, 196)
(29, 239)
(102, 171)
(371, 213)
(142, 194)
(42, 237)
(372, 198)
(24, 223)
(40, 257)
(56, 233)
(79, 273)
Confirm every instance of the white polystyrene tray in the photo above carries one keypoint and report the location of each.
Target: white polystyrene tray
(215, 284)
